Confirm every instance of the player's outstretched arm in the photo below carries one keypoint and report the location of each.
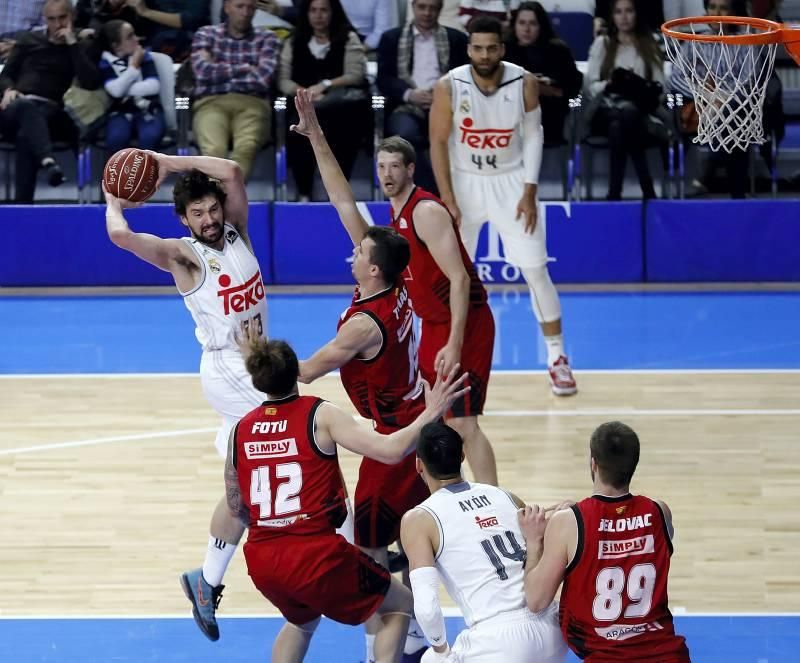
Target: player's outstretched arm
(166, 254)
(542, 579)
(336, 184)
(360, 337)
(336, 427)
(226, 171)
(420, 539)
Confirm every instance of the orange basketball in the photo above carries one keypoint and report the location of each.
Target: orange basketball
(131, 174)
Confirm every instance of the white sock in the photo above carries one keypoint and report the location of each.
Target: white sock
(555, 348)
(347, 530)
(416, 641)
(218, 556)
(370, 648)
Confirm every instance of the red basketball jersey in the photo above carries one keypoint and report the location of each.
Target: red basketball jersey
(614, 599)
(387, 387)
(427, 284)
(290, 485)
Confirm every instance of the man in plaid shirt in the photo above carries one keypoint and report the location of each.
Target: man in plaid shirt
(233, 66)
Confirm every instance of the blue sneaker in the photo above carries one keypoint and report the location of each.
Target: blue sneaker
(205, 601)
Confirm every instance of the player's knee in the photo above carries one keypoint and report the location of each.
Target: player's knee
(398, 600)
(308, 628)
(544, 296)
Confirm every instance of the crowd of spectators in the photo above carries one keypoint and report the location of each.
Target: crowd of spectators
(102, 52)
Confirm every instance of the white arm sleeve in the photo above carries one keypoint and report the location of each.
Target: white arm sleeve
(532, 144)
(118, 87)
(428, 612)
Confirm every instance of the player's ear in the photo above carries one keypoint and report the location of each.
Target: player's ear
(418, 465)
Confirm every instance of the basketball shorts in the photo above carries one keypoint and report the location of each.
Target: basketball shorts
(494, 198)
(476, 357)
(228, 389)
(519, 636)
(383, 494)
(308, 576)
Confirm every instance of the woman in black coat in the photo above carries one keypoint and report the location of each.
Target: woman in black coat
(534, 45)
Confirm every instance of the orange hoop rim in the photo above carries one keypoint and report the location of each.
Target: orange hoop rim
(774, 32)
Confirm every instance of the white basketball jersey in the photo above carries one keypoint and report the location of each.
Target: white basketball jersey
(486, 138)
(230, 295)
(481, 549)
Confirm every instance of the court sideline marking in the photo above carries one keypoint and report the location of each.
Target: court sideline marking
(591, 412)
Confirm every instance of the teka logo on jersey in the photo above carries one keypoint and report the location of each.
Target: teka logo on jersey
(270, 449)
(241, 297)
(489, 521)
(484, 139)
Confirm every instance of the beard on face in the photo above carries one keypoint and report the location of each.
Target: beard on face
(210, 233)
(486, 70)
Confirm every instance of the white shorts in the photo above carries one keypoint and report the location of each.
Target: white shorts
(513, 637)
(229, 389)
(494, 198)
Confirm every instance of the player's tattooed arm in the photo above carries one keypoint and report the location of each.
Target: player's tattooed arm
(233, 494)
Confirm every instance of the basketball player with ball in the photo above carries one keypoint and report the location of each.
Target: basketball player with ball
(219, 278)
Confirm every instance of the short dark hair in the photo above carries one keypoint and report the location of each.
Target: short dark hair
(615, 448)
(391, 252)
(440, 448)
(398, 145)
(109, 34)
(272, 365)
(194, 185)
(482, 24)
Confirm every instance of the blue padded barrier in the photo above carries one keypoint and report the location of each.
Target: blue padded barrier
(57, 245)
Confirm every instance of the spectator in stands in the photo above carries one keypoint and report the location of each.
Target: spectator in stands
(448, 16)
(39, 71)
(654, 12)
(131, 80)
(500, 9)
(234, 67)
(326, 56)
(168, 25)
(535, 46)
(282, 9)
(729, 69)
(17, 16)
(410, 61)
(615, 109)
(93, 14)
(371, 18)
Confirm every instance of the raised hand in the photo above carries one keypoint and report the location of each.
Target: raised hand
(445, 391)
(307, 123)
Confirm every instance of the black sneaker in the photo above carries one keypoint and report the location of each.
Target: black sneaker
(55, 176)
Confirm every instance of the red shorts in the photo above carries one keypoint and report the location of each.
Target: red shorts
(308, 576)
(476, 357)
(383, 494)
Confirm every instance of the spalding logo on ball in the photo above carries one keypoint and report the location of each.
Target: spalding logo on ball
(131, 174)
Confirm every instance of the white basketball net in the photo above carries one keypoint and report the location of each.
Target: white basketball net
(727, 83)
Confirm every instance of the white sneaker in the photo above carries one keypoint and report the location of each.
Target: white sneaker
(562, 381)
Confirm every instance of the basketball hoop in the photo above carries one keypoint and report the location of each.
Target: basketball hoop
(727, 62)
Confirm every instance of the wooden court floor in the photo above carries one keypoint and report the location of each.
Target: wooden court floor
(105, 525)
